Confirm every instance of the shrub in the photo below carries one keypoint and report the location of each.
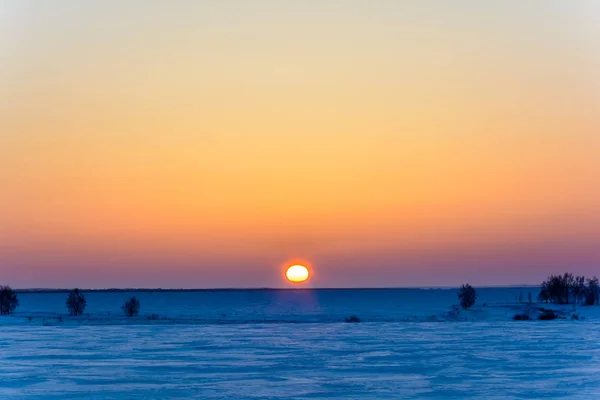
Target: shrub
(521, 317)
(8, 300)
(153, 317)
(547, 315)
(352, 319)
(131, 307)
(76, 303)
(467, 296)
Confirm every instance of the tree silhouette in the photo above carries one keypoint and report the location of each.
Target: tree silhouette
(544, 293)
(131, 307)
(557, 287)
(467, 296)
(578, 289)
(561, 289)
(592, 291)
(8, 300)
(76, 303)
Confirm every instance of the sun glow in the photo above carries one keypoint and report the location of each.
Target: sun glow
(297, 273)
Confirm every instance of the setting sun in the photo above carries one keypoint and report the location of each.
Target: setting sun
(297, 273)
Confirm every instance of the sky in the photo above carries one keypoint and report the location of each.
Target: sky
(209, 144)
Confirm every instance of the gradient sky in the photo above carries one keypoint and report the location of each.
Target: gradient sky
(388, 143)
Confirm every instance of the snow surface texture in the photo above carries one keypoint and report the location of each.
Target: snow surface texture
(481, 355)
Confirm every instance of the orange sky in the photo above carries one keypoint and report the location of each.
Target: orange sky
(182, 144)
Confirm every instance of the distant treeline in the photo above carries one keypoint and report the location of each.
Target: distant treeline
(559, 289)
(149, 290)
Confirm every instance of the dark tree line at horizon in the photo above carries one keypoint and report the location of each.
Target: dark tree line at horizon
(570, 289)
(557, 289)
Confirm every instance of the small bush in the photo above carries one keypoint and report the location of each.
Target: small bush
(548, 315)
(131, 307)
(76, 303)
(8, 300)
(521, 317)
(352, 319)
(153, 317)
(467, 296)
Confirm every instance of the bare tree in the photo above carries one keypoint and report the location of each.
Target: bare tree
(76, 303)
(592, 292)
(131, 307)
(560, 289)
(578, 289)
(8, 300)
(544, 292)
(569, 282)
(557, 288)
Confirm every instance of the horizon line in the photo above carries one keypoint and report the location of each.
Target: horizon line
(234, 289)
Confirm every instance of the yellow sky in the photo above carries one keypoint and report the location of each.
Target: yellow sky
(233, 130)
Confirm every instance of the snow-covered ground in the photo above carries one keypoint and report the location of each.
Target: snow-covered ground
(416, 347)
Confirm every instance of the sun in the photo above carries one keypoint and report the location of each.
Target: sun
(297, 273)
